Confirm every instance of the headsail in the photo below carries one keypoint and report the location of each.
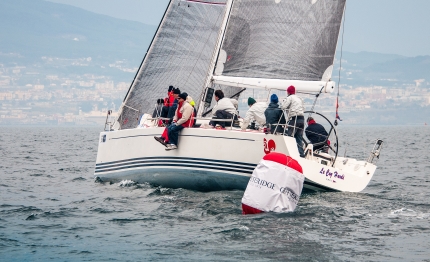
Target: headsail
(280, 40)
(179, 55)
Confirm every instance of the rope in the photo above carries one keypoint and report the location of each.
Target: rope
(315, 101)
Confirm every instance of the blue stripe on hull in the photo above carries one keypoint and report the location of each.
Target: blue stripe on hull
(177, 158)
(194, 179)
(174, 165)
(201, 180)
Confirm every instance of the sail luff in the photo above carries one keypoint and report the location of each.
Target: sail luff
(215, 55)
(133, 83)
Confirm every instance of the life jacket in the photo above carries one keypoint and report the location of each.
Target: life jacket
(190, 120)
(168, 101)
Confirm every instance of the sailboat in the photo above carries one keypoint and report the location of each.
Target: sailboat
(232, 45)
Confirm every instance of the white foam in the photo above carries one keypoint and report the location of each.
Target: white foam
(244, 228)
(405, 212)
(127, 183)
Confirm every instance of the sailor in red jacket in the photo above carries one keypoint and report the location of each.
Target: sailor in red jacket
(169, 112)
(168, 101)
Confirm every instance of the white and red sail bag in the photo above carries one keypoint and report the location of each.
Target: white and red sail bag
(275, 185)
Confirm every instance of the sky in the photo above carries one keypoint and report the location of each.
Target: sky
(382, 26)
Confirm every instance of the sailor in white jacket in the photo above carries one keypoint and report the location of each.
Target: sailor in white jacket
(296, 121)
(255, 112)
(224, 109)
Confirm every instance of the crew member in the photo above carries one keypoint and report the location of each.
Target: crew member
(317, 135)
(164, 138)
(183, 118)
(168, 102)
(274, 116)
(255, 112)
(224, 109)
(174, 104)
(296, 120)
(193, 104)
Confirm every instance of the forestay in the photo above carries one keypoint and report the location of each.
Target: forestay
(274, 41)
(179, 55)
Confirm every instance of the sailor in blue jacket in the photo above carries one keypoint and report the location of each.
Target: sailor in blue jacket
(274, 115)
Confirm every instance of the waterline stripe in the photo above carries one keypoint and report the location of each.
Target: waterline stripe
(170, 167)
(168, 162)
(175, 159)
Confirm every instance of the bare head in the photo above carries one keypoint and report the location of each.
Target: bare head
(219, 94)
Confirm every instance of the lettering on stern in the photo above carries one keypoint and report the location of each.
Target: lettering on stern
(332, 176)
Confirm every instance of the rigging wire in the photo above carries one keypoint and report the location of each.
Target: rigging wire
(340, 68)
(315, 101)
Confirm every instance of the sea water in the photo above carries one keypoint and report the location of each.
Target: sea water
(52, 210)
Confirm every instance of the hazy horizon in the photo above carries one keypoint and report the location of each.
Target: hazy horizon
(383, 26)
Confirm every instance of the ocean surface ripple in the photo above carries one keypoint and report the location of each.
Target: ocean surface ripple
(52, 209)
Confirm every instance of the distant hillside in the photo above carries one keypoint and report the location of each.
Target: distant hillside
(365, 59)
(35, 28)
(31, 29)
(366, 68)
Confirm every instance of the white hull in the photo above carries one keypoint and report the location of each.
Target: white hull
(209, 159)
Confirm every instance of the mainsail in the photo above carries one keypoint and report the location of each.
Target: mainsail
(270, 42)
(179, 55)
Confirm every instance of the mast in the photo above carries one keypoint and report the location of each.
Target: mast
(215, 55)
